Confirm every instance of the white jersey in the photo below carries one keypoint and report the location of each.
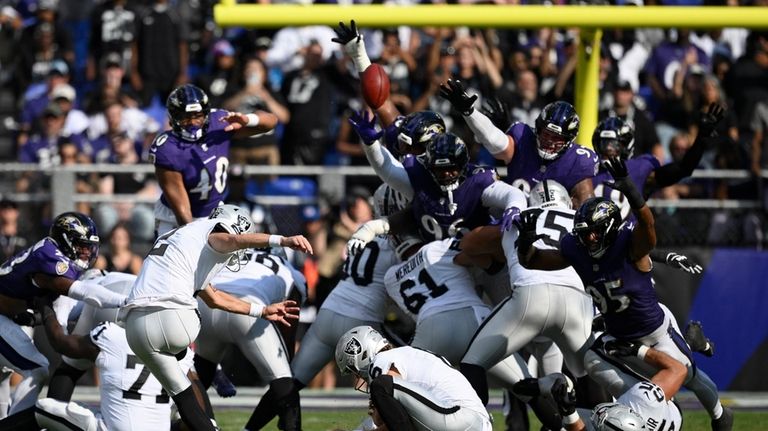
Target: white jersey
(429, 282)
(131, 397)
(447, 385)
(180, 263)
(648, 400)
(360, 294)
(266, 278)
(554, 223)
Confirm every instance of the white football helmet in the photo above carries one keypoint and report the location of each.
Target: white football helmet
(549, 194)
(234, 220)
(403, 243)
(616, 417)
(387, 201)
(356, 349)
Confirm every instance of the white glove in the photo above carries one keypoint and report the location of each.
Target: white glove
(365, 234)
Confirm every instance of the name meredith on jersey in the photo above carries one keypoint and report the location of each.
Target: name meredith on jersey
(409, 266)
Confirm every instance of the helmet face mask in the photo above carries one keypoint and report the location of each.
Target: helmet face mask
(596, 225)
(77, 238)
(615, 416)
(188, 112)
(556, 127)
(614, 137)
(446, 160)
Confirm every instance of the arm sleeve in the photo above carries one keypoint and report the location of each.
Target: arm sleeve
(491, 137)
(388, 168)
(673, 172)
(96, 295)
(501, 195)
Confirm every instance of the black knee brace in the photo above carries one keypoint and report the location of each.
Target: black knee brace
(205, 370)
(477, 378)
(382, 390)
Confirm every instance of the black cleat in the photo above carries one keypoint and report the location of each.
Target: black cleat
(724, 422)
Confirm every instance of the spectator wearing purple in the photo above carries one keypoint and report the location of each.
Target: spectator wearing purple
(76, 121)
(35, 103)
(117, 118)
(42, 147)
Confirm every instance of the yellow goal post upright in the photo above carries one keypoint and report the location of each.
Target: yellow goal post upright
(590, 19)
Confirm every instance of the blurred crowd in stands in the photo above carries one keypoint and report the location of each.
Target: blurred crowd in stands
(85, 81)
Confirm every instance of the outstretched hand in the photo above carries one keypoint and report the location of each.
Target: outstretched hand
(297, 242)
(236, 120)
(526, 225)
(683, 263)
(365, 126)
(709, 120)
(281, 312)
(454, 92)
(345, 34)
(621, 182)
(498, 112)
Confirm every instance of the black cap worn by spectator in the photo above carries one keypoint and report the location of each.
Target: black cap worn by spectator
(7, 203)
(624, 85)
(113, 59)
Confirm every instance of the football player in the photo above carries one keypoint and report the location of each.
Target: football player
(551, 304)
(448, 193)
(262, 278)
(641, 404)
(161, 317)
(359, 298)
(533, 155)
(615, 138)
(50, 267)
(612, 260)
(131, 398)
(410, 388)
(191, 159)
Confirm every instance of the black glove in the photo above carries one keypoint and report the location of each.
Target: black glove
(683, 263)
(564, 396)
(708, 121)
(526, 226)
(453, 91)
(621, 182)
(345, 34)
(621, 348)
(27, 318)
(497, 111)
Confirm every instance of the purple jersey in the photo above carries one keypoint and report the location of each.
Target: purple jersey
(431, 207)
(527, 168)
(202, 164)
(624, 295)
(639, 168)
(42, 258)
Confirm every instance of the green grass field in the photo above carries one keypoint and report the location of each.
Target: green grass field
(233, 420)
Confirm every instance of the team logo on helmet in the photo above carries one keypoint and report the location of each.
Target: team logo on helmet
(243, 224)
(602, 211)
(353, 347)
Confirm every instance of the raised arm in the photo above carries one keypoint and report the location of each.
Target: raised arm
(245, 125)
(387, 167)
(644, 234)
(672, 173)
(498, 143)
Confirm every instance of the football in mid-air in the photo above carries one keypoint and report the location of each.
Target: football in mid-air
(375, 83)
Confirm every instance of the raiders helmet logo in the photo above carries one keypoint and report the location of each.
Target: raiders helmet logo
(353, 347)
(243, 224)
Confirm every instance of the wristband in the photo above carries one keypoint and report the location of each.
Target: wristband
(256, 310)
(275, 240)
(571, 419)
(253, 120)
(641, 352)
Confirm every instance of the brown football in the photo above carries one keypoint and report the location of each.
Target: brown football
(375, 84)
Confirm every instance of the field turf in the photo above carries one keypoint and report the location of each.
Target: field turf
(234, 419)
